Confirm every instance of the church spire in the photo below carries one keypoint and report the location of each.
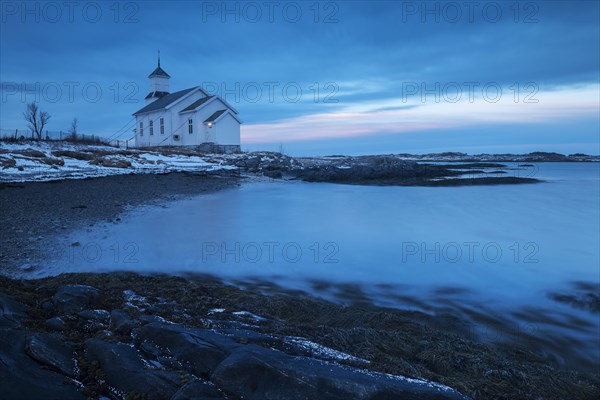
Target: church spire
(159, 83)
(159, 71)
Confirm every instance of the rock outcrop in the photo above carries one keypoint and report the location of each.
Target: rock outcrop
(125, 353)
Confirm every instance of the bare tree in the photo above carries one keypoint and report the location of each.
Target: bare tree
(36, 119)
(73, 130)
(31, 116)
(44, 118)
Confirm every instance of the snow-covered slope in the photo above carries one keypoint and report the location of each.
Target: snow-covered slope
(44, 161)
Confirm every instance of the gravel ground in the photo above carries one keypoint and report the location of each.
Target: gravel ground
(33, 212)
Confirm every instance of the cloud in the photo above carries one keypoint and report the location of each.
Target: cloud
(395, 116)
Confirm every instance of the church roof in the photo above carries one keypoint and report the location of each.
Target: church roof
(156, 94)
(197, 103)
(159, 72)
(215, 116)
(164, 101)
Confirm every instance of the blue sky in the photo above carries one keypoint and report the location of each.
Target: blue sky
(340, 77)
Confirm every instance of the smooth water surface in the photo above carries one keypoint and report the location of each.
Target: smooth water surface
(492, 254)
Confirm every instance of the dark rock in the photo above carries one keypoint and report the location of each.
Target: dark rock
(583, 300)
(11, 312)
(111, 162)
(199, 350)
(29, 152)
(93, 320)
(55, 324)
(90, 326)
(126, 371)
(273, 174)
(252, 163)
(47, 305)
(162, 308)
(225, 324)
(75, 297)
(49, 350)
(359, 169)
(52, 161)
(78, 155)
(255, 372)
(22, 378)
(6, 162)
(198, 390)
(246, 336)
(148, 319)
(101, 316)
(121, 322)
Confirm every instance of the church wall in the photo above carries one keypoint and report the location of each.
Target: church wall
(227, 131)
(159, 84)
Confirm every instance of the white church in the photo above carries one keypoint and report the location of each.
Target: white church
(189, 117)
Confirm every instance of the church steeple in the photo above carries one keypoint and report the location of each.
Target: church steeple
(159, 83)
(159, 71)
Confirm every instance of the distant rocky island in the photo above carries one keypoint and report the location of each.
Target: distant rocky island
(537, 156)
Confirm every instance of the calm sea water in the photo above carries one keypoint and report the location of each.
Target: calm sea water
(492, 255)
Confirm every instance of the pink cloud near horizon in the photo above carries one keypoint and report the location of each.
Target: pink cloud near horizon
(371, 118)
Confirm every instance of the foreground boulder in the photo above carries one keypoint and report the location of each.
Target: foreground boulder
(198, 350)
(126, 371)
(22, 378)
(11, 312)
(258, 373)
(51, 351)
(121, 322)
(75, 297)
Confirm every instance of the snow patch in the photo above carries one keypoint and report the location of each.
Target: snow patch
(29, 168)
(323, 351)
(248, 314)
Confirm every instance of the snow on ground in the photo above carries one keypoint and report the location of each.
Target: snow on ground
(44, 161)
(323, 351)
(249, 315)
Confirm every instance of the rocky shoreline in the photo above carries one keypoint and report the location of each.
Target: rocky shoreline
(127, 336)
(378, 170)
(56, 161)
(87, 349)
